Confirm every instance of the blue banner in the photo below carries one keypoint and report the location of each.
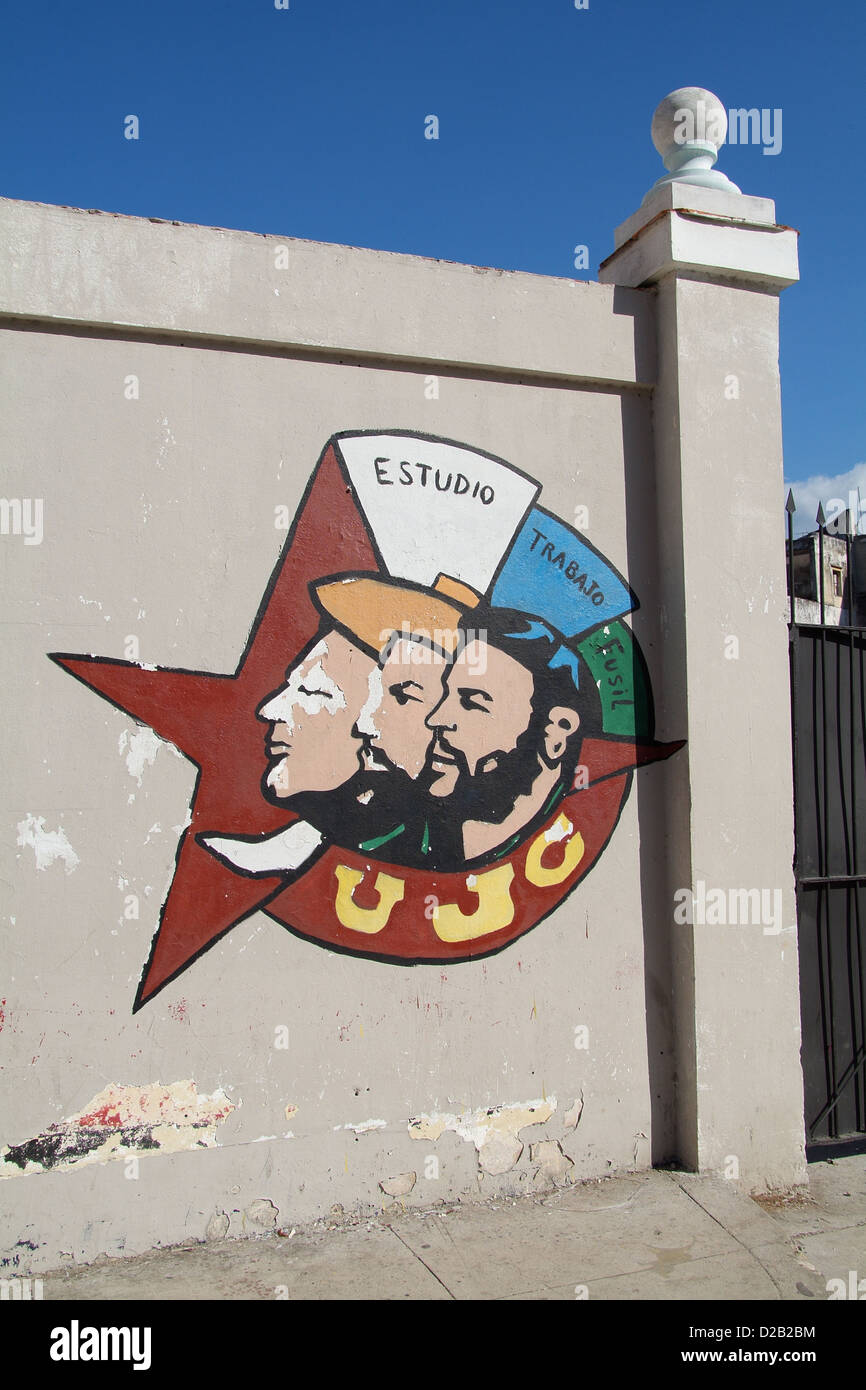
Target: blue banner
(554, 573)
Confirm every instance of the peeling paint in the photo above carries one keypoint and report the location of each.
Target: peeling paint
(493, 1131)
(141, 748)
(399, 1186)
(48, 845)
(640, 1136)
(571, 1118)
(364, 1126)
(260, 1215)
(553, 1165)
(168, 442)
(121, 1120)
(499, 1154)
(218, 1226)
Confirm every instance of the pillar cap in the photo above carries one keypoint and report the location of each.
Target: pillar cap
(689, 127)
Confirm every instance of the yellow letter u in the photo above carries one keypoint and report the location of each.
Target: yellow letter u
(365, 919)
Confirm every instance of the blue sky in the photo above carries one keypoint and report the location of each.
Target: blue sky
(309, 122)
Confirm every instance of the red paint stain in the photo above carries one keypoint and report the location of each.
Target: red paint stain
(178, 1011)
(2, 1014)
(106, 1117)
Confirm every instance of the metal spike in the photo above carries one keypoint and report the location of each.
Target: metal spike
(790, 505)
(821, 517)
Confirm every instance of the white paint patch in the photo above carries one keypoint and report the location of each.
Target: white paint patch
(128, 1119)
(168, 441)
(307, 688)
(434, 523)
(481, 1126)
(366, 723)
(286, 850)
(560, 830)
(141, 748)
(47, 844)
(364, 1126)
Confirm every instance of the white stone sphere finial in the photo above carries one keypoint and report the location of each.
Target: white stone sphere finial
(689, 127)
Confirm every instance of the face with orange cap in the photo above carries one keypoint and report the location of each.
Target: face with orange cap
(400, 638)
(395, 733)
(341, 709)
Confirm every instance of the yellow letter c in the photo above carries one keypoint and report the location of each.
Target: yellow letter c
(535, 871)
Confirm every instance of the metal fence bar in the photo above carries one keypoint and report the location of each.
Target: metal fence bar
(829, 797)
(858, 862)
(825, 906)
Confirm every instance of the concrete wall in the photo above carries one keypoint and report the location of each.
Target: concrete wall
(275, 1078)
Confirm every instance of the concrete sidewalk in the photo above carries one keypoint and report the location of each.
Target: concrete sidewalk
(658, 1235)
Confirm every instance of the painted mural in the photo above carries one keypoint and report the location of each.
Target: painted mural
(432, 731)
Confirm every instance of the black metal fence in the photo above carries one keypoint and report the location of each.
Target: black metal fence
(828, 705)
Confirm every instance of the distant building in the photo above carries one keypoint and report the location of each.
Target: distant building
(844, 564)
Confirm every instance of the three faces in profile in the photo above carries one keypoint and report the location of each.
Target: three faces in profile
(433, 731)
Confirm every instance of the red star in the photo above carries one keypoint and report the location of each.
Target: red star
(212, 720)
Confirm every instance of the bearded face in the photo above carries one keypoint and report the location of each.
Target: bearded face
(491, 738)
(490, 792)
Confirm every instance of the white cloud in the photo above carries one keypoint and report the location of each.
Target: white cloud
(829, 489)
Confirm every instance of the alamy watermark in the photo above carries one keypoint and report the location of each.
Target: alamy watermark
(22, 516)
(18, 1289)
(841, 514)
(421, 645)
(745, 126)
(854, 1288)
(731, 907)
(77, 1343)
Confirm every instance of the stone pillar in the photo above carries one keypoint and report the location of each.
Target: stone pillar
(718, 261)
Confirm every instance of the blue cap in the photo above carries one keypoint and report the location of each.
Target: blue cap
(561, 655)
(553, 572)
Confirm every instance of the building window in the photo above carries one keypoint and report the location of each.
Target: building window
(837, 581)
